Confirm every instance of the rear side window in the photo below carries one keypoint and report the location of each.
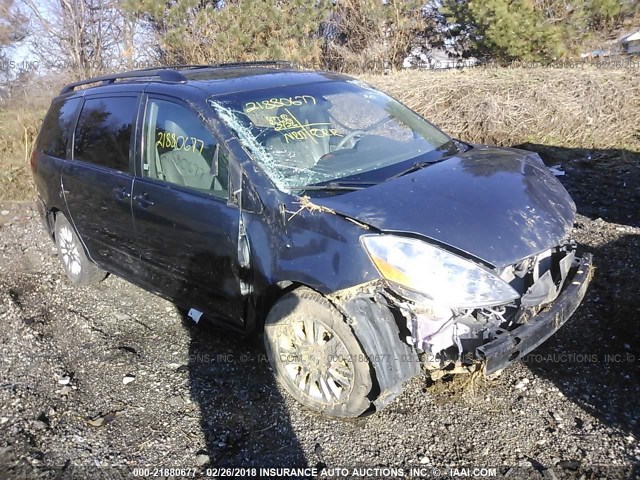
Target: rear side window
(56, 128)
(103, 134)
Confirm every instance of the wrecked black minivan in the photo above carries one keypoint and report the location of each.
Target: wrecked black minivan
(364, 243)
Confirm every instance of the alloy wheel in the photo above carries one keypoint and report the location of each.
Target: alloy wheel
(69, 250)
(316, 360)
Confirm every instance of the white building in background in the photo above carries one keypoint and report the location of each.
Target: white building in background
(437, 58)
(627, 45)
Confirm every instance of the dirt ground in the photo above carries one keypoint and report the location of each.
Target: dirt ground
(109, 378)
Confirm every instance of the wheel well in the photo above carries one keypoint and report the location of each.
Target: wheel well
(268, 299)
(51, 221)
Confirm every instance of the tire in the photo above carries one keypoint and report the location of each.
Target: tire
(316, 356)
(79, 269)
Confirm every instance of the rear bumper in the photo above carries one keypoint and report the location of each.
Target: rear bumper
(509, 346)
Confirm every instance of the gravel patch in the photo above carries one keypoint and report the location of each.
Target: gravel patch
(111, 375)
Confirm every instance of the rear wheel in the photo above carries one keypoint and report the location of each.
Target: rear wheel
(316, 356)
(77, 266)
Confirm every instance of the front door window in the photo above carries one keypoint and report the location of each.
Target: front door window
(180, 150)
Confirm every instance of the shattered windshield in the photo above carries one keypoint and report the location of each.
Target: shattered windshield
(312, 134)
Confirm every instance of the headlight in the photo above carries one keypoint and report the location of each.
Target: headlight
(445, 278)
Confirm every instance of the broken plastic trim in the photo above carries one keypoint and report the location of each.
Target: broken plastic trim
(513, 345)
(545, 289)
(372, 320)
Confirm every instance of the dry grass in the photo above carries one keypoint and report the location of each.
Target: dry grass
(579, 108)
(584, 108)
(19, 127)
(20, 119)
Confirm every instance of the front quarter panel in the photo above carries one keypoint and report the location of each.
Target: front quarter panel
(316, 248)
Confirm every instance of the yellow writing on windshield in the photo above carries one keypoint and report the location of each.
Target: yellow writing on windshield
(311, 133)
(273, 103)
(294, 129)
(282, 122)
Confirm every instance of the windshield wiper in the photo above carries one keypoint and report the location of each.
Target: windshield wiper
(413, 168)
(460, 147)
(335, 186)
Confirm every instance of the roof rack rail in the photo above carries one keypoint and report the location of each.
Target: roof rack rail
(165, 75)
(172, 73)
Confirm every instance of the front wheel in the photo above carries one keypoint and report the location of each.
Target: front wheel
(316, 356)
(77, 266)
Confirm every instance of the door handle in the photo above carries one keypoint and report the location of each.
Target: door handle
(143, 200)
(121, 193)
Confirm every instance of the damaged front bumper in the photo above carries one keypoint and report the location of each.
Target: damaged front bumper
(509, 346)
(386, 325)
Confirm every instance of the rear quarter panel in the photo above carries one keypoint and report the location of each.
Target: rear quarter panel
(47, 178)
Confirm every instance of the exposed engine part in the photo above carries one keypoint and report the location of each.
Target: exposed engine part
(444, 335)
(548, 267)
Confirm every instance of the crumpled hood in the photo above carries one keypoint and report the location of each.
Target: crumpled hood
(500, 205)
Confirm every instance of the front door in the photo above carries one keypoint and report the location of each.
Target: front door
(97, 182)
(186, 230)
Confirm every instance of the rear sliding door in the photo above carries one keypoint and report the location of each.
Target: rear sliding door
(98, 181)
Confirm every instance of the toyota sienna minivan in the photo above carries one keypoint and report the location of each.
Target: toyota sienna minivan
(362, 242)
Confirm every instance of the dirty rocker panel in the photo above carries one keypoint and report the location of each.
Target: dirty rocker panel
(512, 345)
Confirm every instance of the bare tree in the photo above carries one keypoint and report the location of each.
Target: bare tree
(83, 37)
(12, 24)
(13, 29)
(371, 35)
